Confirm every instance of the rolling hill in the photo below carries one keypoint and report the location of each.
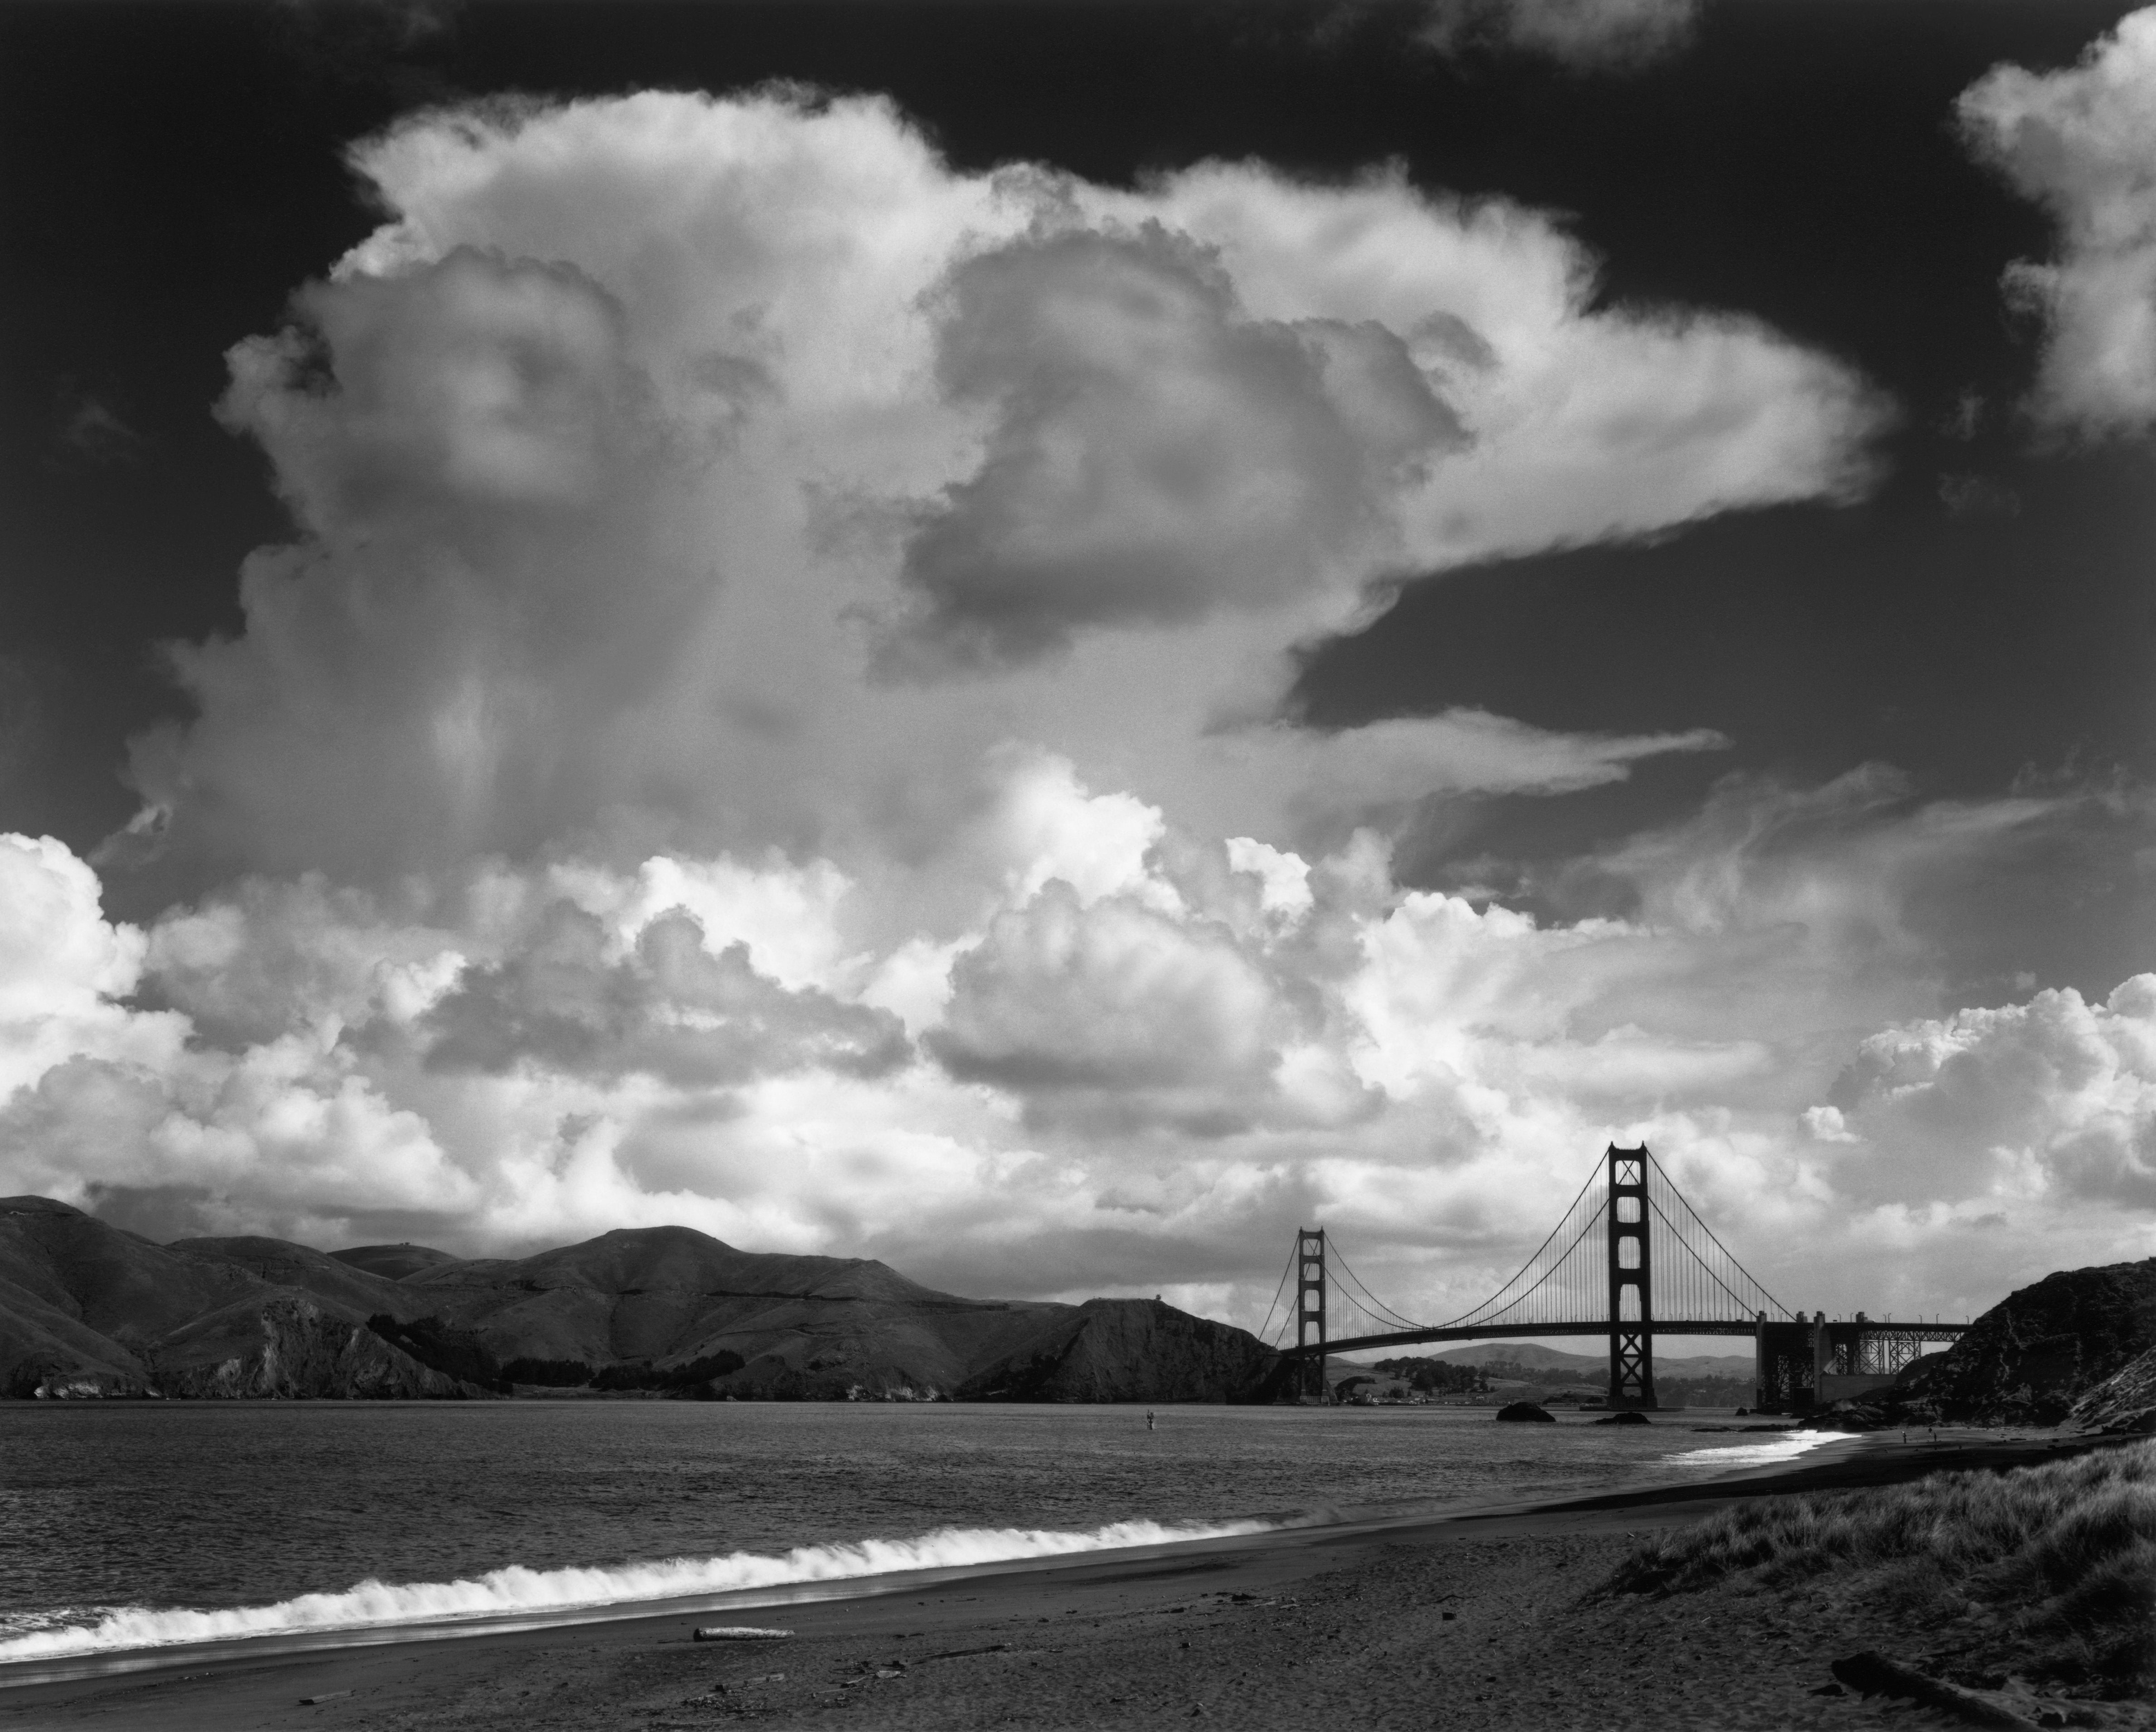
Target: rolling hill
(88, 1309)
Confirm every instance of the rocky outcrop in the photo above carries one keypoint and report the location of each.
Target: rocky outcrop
(2124, 1401)
(292, 1347)
(1525, 1413)
(2032, 1357)
(1128, 1350)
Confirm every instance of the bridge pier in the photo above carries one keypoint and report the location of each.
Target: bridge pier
(1787, 1377)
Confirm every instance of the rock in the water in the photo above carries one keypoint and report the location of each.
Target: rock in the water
(2124, 1401)
(2029, 1358)
(1525, 1413)
(1627, 1417)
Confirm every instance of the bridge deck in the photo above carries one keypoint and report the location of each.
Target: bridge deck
(1660, 1326)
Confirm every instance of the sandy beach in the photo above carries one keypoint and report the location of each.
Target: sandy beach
(1475, 1621)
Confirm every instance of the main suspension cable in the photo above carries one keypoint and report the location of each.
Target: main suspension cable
(1383, 1312)
(1265, 1335)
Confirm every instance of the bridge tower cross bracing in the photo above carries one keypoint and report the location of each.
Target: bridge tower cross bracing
(1310, 1305)
(1631, 1289)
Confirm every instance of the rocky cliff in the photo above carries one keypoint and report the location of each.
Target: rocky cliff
(2124, 1401)
(1127, 1351)
(2032, 1357)
(87, 1310)
(291, 1346)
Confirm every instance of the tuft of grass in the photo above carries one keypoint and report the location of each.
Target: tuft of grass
(2058, 1560)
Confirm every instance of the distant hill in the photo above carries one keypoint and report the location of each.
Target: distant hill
(88, 1309)
(392, 1262)
(1590, 1365)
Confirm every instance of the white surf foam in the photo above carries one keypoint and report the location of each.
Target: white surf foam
(1786, 1447)
(374, 1605)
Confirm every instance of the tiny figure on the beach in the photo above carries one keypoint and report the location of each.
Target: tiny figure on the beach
(1148, 1419)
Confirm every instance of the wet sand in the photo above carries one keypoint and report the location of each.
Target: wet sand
(1472, 1621)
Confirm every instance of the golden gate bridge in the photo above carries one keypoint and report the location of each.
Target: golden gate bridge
(1631, 1259)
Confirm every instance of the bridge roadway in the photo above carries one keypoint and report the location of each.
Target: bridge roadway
(1659, 1326)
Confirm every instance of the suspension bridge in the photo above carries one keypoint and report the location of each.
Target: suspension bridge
(1631, 1259)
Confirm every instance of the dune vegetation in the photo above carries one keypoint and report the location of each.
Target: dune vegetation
(2048, 1571)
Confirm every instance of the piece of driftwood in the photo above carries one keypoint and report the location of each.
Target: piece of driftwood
(737, 1632)
(1874, 1674)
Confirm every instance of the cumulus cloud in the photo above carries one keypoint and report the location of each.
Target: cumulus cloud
(2009, 1104)
(668, 1009)
(772, 717)
(1592, 36)
(1117, 1012)
(1156, 453)
(1134, 1048)
(2080, 141)
(648, 431)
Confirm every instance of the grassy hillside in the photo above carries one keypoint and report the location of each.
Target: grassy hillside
(2048, 1572)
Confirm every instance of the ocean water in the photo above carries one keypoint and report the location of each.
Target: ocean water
(123, 1526)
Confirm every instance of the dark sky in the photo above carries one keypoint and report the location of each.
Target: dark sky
(169, 173)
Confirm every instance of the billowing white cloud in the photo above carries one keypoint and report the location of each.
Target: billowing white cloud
(772, 719)
(731, 473)
(2080, 141)
(2008, 1104)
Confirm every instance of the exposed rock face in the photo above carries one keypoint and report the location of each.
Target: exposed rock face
(1128, 1350)
(89, 1311)
(293, 1347)
(2029, 1358)
(1525, 1413)
(2124, 1401)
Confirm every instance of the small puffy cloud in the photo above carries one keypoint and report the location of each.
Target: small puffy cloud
(267, 955)
(669, 1008)
(58, 953)
(2080, 141)
(1583, 35)
(97, 1096)
(1114, 1012)
(90, 430)
(2056, 1096)
(63, 966)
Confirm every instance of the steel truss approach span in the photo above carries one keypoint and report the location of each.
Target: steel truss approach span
(1629, 1259)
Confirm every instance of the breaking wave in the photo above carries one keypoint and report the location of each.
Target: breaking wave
(1785, 1448)
(374, 1605)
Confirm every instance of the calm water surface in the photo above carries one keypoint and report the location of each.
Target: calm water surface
(212, 1505)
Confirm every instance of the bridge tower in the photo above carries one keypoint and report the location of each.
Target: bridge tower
(1632, 1292)
(1310, 1305)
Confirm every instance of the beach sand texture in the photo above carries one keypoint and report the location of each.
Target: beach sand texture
(1488, 1623)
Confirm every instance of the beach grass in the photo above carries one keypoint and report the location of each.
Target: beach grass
(2050, 1570)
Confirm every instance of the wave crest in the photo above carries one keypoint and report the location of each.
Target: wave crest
(374, 1605)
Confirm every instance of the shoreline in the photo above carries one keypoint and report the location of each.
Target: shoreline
(413, 1676)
